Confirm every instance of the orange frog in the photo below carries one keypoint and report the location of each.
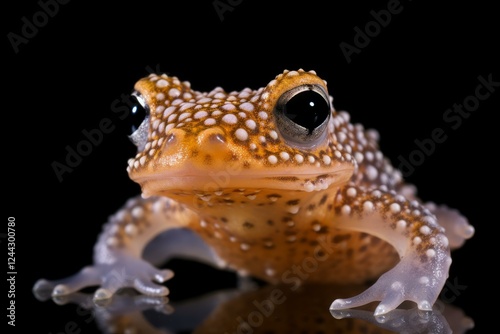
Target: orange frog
(269, 182)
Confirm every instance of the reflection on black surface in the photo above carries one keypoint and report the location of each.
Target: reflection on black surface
(268, 309)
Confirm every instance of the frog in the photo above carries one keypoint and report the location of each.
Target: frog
(271, 183)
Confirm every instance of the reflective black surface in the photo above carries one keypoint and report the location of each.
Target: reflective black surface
(70, 78)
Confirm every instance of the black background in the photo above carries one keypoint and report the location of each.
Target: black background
(66, 77)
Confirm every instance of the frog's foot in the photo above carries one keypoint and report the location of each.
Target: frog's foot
(457, 227)
(412, 279)
(125, 272)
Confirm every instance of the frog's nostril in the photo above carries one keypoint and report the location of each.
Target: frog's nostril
(171, 139)
(217, 138)
(212, 139)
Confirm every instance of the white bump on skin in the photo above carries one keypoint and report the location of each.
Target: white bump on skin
(173, 92)
(395, 207)
(216, 113)
(444, 240)
(371, 172)
(204, 100)
(327, 160)
(159, 109)
(241, 134)
(423, 280)
(242, 115)
(425, 230)
(185, 106)
(137, 212)
(417, 240)
(155, 124)
(171, 118)
(351, 192)
(169, 111)
(252, 146)
(285, 156)
(209, 121)
(200, 114)
(169, 127)
(228, 106)
(177, 102)
(338, 154)
(369, 156)
(230, 119)
(247, 106)
(262, 139)
(396, 286)
(250, 123)
(308, 186)
(112, 241)
(346, 209)
(293, 209)
(131, 229)
(311, 159)
(142, 160)
(272, 159)
(299, 158)
(273, 134)
(263, 115)
(430, 252)
(183, 116)
(243, 94)
(368, 206)
(245, 247)
(161, 83)
(161, 127)
(401, 225)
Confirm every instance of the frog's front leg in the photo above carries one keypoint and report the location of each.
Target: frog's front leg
(413, 231)
(118, 261)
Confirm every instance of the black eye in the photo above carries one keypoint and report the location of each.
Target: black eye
(302, 114)
(138, 112)
(139, 119)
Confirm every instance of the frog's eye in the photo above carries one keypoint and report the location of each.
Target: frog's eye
(140, 120)
(302, 114)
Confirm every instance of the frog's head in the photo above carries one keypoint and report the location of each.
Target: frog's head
(282, 137)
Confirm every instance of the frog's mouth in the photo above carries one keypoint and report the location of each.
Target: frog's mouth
(216, 182)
